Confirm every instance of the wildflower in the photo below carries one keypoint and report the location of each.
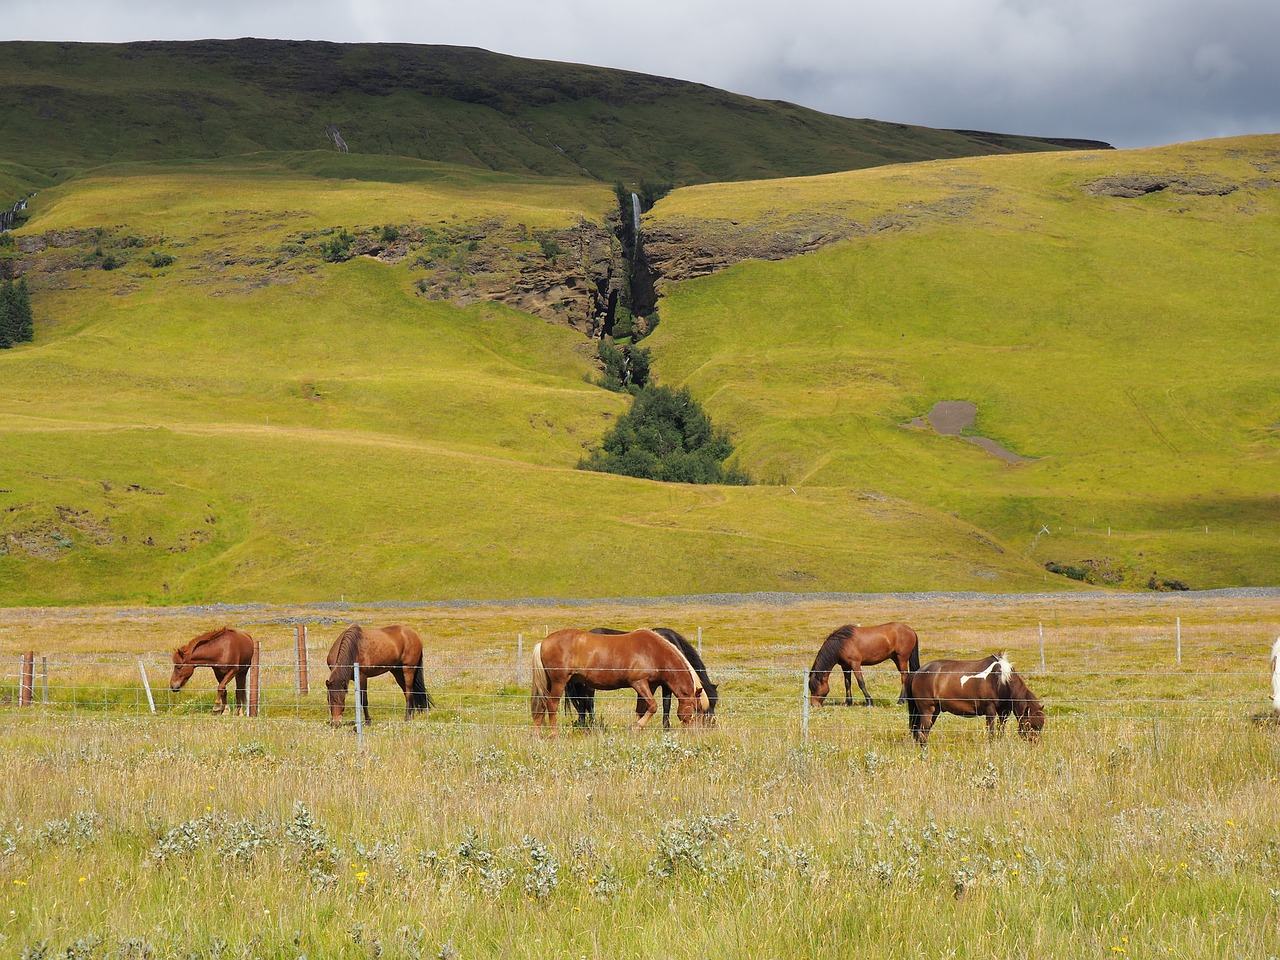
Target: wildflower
(207, 808)
(83, 879)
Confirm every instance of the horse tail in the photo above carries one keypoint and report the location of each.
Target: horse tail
(915, 651)
(419, 699)
(539, 686)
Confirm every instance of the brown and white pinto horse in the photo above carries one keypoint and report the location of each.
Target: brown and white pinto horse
(640, 659)
(395, 649)
(851, 647)
(228, 652)
(972, 688)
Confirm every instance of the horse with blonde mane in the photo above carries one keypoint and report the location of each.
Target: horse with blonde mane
(583, 698)
(226, 651)
(395, 649)
(986, 688)
(640, 659)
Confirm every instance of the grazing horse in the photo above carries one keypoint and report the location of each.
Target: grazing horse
(969, 688)
(851, 647)
(583, 697)
(395, 649)
(641, 660)
(227, 651)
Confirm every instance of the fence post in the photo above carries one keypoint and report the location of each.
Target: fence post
(804, 702)
(44, 679)
(519, 659)
(254, 664)
(1042, 648)
(26, 683)
(359, 709)
(699, 641)
(142, 669)
(1178, 628)
(301, 646)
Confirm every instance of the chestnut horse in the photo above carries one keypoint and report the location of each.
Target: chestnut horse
(969, 688)
(227, 652)
(641, 660)
(395, 649)
(851, 647)
(583, 697)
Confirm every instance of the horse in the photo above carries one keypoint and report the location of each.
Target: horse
(394, 649)
(583, 697)
(641, 660)
(851, 647)
(227, 652)
(970, 688)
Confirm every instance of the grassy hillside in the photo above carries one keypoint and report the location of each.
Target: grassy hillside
(71, 106)
(1125, 344)
(253, 422)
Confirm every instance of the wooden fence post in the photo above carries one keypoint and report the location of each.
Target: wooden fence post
(253, 678)
(301, 631)
(27, 683)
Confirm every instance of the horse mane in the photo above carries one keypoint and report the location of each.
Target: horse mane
(699, 690)
(825, 661)
(691, 654)
(1005, 669)
(345, 651)
(184, 652)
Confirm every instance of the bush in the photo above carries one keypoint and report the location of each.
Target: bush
(158, 259)
(666, 436)
(337, 248)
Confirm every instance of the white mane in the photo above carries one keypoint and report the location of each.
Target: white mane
(704, 701)
(1003, 666)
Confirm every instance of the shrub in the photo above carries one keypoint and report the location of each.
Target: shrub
(337, 248)
(158, 259)
(666, 436)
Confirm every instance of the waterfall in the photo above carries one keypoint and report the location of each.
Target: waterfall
(635, 213)
(7, 217)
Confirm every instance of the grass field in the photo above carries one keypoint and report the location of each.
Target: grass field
(1143, 825)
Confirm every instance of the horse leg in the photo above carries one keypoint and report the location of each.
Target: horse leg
(924, 723)
(223, 680)
(903, 671)
(242, 696)
(650, 704)
(848, 685)
(666, 709)
(990, 714)
(362, 698)
(857, 672)
(403, 677)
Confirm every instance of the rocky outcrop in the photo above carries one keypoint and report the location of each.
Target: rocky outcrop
(1131, 185)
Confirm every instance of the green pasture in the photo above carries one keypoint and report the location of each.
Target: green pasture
(1144, 824)
(1125, 346)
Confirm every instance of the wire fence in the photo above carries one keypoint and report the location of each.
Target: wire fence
(493, 691)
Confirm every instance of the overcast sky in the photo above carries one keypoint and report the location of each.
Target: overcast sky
(1131, 72)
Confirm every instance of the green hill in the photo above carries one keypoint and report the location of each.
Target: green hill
(271, 371)
(69, 106)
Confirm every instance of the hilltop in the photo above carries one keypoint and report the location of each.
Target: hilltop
(70, 106)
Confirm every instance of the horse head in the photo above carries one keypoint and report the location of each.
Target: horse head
(182, 670)
(1029, 711)
(342, 658)
(819, 687)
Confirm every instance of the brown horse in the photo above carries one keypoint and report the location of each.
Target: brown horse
(641, 660)
(227, 652)
(969, 688)
(395, 649)
(851, 647)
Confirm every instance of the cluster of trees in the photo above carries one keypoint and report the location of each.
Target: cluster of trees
(666, 436)
(16, 322)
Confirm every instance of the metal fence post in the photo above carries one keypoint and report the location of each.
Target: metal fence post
(254, 666)
(1042, 648)
(804, 705)
(1178, 628)
(519, 659)
(359, 710)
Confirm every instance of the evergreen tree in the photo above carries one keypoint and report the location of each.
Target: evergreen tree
(7, 315)
(24, 323)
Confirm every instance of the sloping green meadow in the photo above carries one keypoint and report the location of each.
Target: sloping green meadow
(243, 424)
(251, 422)
(1126, 346)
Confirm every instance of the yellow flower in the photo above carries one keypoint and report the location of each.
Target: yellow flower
(83, 879)
(207, 808)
